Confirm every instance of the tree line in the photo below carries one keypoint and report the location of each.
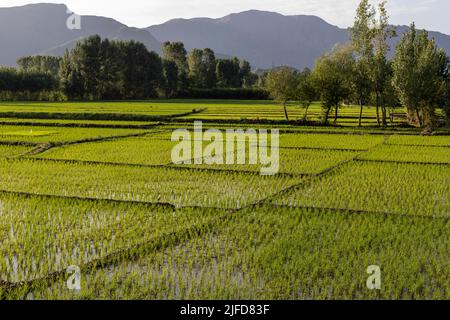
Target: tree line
(100, 69)
(416, 78)
(359, 72)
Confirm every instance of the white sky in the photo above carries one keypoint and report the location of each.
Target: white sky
(430, 14)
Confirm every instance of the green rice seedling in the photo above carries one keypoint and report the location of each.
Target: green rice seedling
(181, 187)
(41, 236)
(12, 151)
(330, 141)
(37, 134)
(411, 189)
(292, 161)
(402, 153)
(286, 253)
(418, 140)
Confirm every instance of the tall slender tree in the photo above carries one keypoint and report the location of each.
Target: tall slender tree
(306, 91)
(175, 51)
(170, 78)
(363, 35)
(382, 72)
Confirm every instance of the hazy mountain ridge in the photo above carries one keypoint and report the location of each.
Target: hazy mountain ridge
(266, 39)
(41, 29)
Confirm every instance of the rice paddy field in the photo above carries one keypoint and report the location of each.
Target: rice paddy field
(93, 185)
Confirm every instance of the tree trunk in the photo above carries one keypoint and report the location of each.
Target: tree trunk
(305, 117)
(327, 113)
(383, 111)
(419, 119)
(378, 109)
(412, 118)
(335, 115)
(285, 112)
(360, 112)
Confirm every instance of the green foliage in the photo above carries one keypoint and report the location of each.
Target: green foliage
(175, 51)
(306, 91)
(282, 85)
(40, 64)
(228, 73)
(332, 76)
(382, 68)
(171, 78)
(418, 75)
(101, 69)
(202, 68)
(16, 81)
(447, 101)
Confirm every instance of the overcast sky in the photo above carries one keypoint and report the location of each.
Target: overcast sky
(429, 14)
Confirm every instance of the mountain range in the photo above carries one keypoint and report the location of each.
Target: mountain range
(266, 39)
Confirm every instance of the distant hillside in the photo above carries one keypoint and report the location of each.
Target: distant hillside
(266, 39)
(41, 29)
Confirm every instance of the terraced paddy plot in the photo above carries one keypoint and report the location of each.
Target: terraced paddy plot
(147, 108)
(144, 151)
(180, 187)
(12, 151)
(141, 227)
(148, 150)
(410, 189)
(301, 140)
(45, 235)
(269, 110)
(68, 123)
(330, 141)
(284, 128)
(292, 161)
(37, 134)
(402, 153)
(420, 141)
(30, 133)
(282, 253)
